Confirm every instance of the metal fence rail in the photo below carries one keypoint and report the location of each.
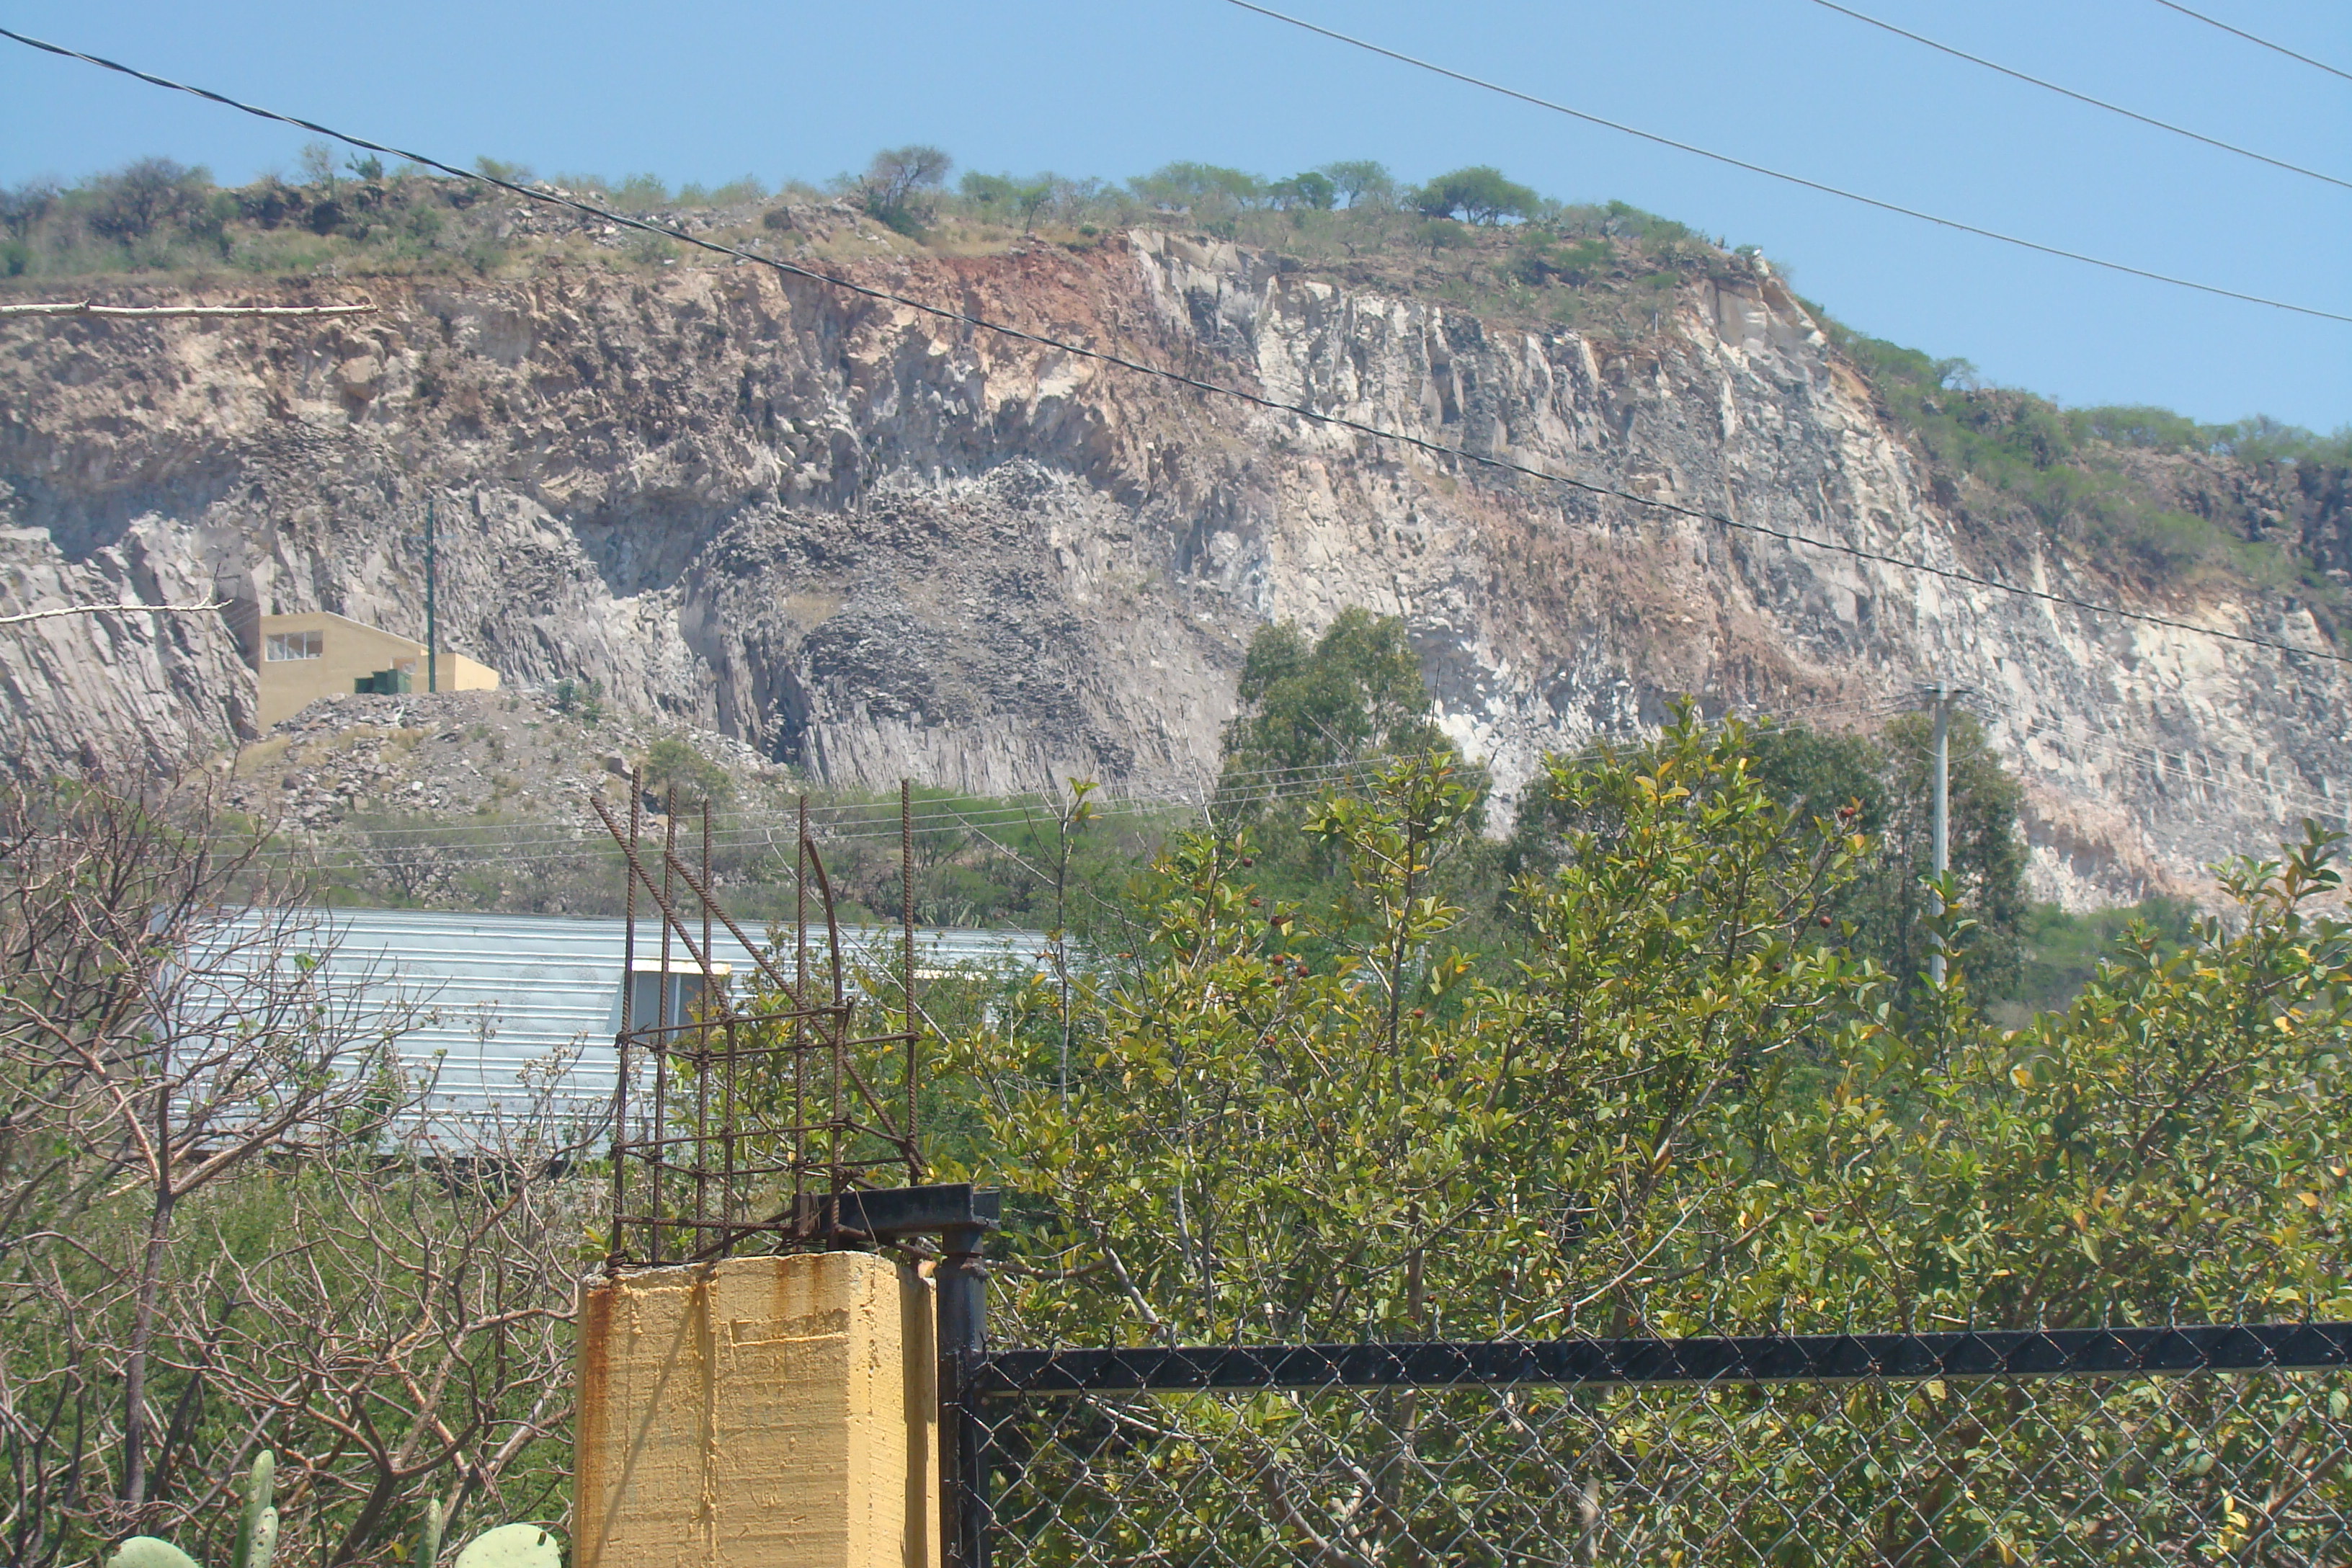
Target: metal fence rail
(2228, 1442)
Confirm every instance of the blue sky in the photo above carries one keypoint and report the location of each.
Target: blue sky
(788, 89)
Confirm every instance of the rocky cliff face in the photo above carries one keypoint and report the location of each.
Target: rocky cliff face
(872, 543)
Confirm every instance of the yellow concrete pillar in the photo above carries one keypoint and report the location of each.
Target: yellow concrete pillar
(759, 1413)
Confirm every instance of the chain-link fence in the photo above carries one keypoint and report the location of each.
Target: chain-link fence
(2141, 1446)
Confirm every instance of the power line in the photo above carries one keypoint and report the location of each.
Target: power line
(885, 814)
(1336, 421)
(1300, 783)
(2206, 770)
(2083, 97)
(881, 819)
(127, 607)
(69, 308)
(2265, 43)
(1726, 158)
(859, 824)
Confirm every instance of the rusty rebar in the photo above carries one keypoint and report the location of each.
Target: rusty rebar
(837, 1137)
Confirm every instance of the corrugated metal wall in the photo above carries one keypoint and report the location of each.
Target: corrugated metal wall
(511, 1008)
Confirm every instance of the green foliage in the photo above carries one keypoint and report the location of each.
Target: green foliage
(1882, 787)
(2062, 467)
(156, 215)
(1685, 1110)
(1008, 199)
(1222, 1077)
(1625, 219)
(512, 1546)
(129, 206)
(1353, 693)
(648, 193)
(256, 1525)
(1361, 182)
(2062, 951)
(900, 185)
(1478, 194)
(1295, 1126)
(2171, 1143)
(502, 1546)
(674, 769)
(1538, 261)
(1313, 191)
(147, 1551)
(1876, 786)
(1203, 190)
(581, 700)
(649, 249)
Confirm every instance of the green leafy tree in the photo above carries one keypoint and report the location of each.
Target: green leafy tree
(2171, 1143)
(1987, 853)
(1355, 692)
(1202, 189)
(898, 185)
(1477, 194)
(1002, 196)
(1286, 1116)
(1312, 191)
(1881, 785)
(1361, 182)
(132, 204)
(1691, 1111)
(674, 769)
(512, 172)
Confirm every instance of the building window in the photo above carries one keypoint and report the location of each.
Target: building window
(658, 1001)
(294, 644)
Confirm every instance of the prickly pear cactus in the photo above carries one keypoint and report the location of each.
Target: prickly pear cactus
(428, 1540)
(257, 1530)
(146, 1552)
(511, 1546)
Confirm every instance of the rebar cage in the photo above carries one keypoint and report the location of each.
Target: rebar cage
(740, 1119)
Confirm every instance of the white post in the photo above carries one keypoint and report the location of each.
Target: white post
(1943, 810)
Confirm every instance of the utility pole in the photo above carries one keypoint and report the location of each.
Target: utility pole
(434, 624)
(1941, 694)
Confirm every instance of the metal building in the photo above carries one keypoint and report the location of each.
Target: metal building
(516, 1013)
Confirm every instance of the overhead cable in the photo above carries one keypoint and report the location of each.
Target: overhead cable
(2083, 97)
(1726, 158)
(1336, 421)
(128, 608)
(2265, 43)
(880, 819)
(1303, 782)
(71, 308)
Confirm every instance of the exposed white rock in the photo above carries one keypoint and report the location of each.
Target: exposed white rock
(875, 544)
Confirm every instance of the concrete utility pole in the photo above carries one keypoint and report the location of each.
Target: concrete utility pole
(434, 626)
(1942, 810)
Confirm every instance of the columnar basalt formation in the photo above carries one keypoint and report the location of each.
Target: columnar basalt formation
(873, 543)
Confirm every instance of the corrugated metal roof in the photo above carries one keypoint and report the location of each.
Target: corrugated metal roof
(514, 1006)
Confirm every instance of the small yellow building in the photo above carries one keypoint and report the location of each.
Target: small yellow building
(321, 654)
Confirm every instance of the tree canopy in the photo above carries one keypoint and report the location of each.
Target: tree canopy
(1692, 1108)
(1354, 693)
(1478, 194)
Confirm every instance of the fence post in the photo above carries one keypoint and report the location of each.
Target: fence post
(775, 1411)
(963, 1295)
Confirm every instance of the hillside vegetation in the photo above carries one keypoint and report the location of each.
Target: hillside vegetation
(2155, 494)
